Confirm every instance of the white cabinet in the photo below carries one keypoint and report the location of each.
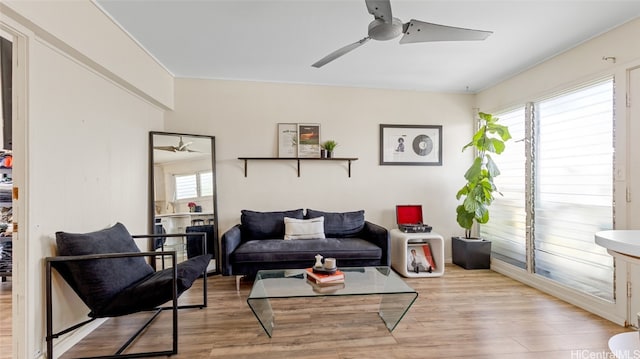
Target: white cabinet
(402, 244)
(634, 290)
(178, 222)
(624, 246)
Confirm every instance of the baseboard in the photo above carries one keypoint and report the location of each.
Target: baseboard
(592, 304)
(66, 342)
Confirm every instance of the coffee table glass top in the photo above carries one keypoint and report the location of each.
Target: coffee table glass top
(397, 296)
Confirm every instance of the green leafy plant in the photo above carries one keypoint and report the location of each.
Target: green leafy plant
(479, 190)
(329, 145)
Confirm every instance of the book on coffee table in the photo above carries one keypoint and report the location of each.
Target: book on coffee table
(324, 278)
(325, 288)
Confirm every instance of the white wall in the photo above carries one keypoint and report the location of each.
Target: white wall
(244, 115)
(80, 152)
(81, 28)
(87, 161)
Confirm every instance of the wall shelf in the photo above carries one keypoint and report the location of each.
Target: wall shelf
(298, 160)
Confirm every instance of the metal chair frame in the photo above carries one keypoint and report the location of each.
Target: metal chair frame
(50, 263)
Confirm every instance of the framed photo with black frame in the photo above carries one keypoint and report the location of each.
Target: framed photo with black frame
(309, 140)
(411, 145)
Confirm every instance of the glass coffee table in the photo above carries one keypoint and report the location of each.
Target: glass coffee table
(397, 296)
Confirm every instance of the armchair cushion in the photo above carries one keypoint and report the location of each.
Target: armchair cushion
(265, 225)
(98, 281)
(153, 290)
(340, 224)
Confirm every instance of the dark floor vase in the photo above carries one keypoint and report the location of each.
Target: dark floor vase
(471, 253)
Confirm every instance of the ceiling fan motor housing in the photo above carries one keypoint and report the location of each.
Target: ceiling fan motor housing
(380, 30)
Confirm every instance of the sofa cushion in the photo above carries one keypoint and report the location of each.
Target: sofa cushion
(305, 250)
(340, 224)
(263, 225)
(303, 228)
(97, 281)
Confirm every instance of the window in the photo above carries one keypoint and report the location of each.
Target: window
(194, 185)
(507, 224)
(574, 188)
(570, 184)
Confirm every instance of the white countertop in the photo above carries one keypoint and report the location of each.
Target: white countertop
(621, 241)
(185, 214)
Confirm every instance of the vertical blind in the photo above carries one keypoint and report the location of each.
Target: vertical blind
(507, 223)
(573, 194)
(570, 184)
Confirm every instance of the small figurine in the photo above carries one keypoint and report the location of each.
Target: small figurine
(318, 261)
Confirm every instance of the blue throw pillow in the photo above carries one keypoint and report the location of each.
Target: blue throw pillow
(265, 225)
(340, 224)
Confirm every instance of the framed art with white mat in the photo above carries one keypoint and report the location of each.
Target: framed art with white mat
(411, 145)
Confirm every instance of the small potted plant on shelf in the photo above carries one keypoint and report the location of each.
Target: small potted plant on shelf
(478, 193)
(329, 146)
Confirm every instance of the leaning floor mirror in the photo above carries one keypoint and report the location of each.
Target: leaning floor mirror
(182, 183)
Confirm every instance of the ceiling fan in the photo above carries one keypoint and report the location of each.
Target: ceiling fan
(181, 147)
(386, 27)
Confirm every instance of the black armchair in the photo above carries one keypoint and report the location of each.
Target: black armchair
(113, 278)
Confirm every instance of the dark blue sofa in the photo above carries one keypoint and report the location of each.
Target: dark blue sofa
(257, 242)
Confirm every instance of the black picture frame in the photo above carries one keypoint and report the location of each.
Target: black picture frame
(410, 145)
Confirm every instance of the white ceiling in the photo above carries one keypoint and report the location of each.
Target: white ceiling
(277, 41)
(200, 145)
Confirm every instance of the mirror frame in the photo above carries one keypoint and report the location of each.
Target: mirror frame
(151, 209)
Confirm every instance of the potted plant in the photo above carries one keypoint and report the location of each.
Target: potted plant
(329, 146)
(478, 193)
(192, 206)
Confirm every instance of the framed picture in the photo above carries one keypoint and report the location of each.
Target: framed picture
(309, 140)
(411, 145)
(287, 140)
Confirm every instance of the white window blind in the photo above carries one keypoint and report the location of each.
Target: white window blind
(194, 185)
(206, 183)
(186, 186)
(507, 223)
(573, 192)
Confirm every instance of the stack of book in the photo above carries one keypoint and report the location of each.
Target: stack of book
(325, 279)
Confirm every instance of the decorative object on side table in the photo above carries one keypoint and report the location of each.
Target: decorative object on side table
(329, 146)
(478, 193)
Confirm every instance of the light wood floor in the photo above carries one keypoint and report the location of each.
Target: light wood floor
(464, 314)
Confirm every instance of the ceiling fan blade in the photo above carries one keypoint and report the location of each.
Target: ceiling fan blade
(184, 146)
(165, 148)
(341, 51)
(380, 9)
(420, 31)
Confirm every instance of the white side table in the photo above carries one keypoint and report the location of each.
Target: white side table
(402, 242)
(625, 345)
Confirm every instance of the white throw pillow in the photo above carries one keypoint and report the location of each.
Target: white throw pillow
(303, 228)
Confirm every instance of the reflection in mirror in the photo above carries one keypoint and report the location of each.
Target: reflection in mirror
(183, 192)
